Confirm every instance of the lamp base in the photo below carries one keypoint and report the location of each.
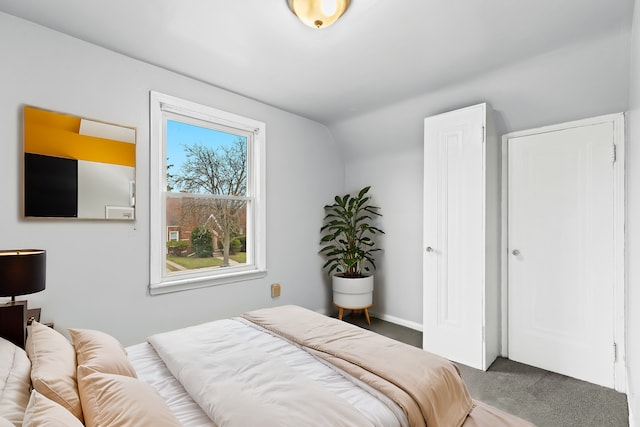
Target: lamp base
(13, 322)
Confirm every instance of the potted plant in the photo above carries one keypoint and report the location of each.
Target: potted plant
(348, 245)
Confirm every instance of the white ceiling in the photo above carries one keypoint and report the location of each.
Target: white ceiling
(379, 52)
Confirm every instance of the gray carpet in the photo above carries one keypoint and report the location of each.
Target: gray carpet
(542, 397)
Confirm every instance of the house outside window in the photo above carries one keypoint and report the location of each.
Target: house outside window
(207, 196)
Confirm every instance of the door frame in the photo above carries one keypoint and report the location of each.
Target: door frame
(619, 196)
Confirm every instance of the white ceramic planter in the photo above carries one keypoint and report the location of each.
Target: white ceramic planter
(353, 293)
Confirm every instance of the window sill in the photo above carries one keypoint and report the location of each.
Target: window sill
(183, 284)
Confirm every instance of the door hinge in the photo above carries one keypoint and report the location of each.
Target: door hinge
(615, 352)
(482, 134)
(614, 155)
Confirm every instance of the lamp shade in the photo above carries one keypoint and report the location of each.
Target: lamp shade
(22, 272)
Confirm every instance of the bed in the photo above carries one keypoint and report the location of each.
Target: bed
(282, 366)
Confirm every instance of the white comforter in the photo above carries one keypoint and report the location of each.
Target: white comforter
(241, 375)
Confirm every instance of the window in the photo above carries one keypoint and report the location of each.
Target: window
(207, 196)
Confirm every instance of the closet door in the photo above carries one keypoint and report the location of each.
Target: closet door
(561, 261)
(455, 238)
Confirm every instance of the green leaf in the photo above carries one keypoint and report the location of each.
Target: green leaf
(346, 234)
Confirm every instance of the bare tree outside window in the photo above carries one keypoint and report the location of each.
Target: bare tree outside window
(218, 170)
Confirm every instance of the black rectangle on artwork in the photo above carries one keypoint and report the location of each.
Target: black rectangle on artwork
(50, 186)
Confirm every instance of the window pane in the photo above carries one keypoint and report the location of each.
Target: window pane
(212, 233)
(202, 160)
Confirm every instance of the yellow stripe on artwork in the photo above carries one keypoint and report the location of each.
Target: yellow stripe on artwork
(55, 134)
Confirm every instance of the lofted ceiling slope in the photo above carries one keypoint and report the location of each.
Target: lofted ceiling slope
(378, 53)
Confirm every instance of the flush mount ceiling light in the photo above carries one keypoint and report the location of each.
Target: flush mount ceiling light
(318, 13)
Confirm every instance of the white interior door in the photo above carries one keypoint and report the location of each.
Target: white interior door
(454, 236)
(561, 251)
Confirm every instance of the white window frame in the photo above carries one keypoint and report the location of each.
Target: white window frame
(163, 106)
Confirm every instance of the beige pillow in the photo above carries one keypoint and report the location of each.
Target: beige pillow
(118, 400)
(15, 382)
(102, 352)
(53, 367)
(42, 412)
(6, 423)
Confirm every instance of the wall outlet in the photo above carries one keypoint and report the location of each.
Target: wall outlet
(275, 290)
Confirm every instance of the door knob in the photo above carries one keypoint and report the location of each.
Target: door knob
(429, 249)
(515, 252)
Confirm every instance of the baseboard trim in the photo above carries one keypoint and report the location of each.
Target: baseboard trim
(387, 318)
(630, 400)
(397, 320)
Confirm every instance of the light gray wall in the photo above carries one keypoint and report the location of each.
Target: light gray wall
(384, 148)
(396, 187)
(97, 272)
(633, 229)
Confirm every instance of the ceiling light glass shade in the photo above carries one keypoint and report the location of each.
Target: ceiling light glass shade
(318, 13)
